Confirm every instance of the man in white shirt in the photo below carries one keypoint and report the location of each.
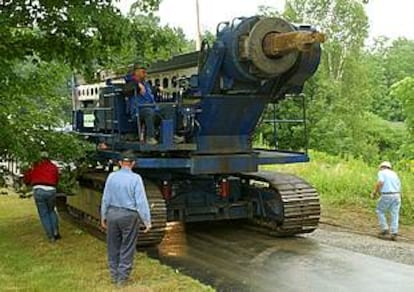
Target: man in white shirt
(388, 186)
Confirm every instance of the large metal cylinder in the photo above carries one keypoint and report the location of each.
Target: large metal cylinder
(260, 48)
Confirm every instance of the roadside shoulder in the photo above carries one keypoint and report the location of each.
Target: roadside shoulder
(401, 251)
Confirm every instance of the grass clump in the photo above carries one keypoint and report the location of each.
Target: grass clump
(75, 263)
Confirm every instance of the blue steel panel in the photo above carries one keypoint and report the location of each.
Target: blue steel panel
(164, 163)
(167, 130)
(203, 164)
(118, 119)
(226, 122)
(232, 67)
(229, 115)
(210, 164)
(279, 157)
(223, 163)
(149, 162)
(224, 144)
(211, 69)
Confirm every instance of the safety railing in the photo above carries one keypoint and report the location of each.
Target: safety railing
(285, 116)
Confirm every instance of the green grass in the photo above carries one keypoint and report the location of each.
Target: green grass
(75, 263)
(78, 262)
(347, 184)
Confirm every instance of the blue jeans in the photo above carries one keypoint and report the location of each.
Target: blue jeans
(391, 203)
(46, 203)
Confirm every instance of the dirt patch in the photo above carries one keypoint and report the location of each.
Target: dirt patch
(360, 221)
(356, 229)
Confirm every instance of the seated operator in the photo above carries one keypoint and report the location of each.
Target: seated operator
(142, 102)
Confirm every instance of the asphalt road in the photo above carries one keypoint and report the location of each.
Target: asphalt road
(230, 257)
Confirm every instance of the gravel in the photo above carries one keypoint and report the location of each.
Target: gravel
(398, 251)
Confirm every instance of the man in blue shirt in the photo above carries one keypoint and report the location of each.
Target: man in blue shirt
(389, 186)
(142, 102)
(124, 205)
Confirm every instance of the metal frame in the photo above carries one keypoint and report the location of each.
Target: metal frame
(303, 121)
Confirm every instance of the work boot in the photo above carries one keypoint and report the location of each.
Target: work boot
(178, 139)
(152, 141)
(57, 236)
(394, 236)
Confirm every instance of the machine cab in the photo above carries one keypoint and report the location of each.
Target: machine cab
(102, 112)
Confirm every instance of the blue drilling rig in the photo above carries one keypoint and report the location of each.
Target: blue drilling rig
(215, 98)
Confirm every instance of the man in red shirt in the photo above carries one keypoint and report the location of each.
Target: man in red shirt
(44, 177)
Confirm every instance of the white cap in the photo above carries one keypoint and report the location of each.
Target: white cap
(386, 164)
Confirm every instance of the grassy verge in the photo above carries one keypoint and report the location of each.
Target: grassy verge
(346, 185)
(75, 263)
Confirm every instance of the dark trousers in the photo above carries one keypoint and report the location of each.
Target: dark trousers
(148, 114)
(121, 239)
(46, 203)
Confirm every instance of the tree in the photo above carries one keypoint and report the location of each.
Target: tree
(404, 90)
(78, 33)
(399, 60)
(344, 22)
(32, 108)
(153, 41)
(42, 41)
(374, 61)
(390, 62)
(338, 93)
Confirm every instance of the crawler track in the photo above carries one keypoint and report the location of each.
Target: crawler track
(285, 205)
(158, 217)
(85, 207)
(293, 207)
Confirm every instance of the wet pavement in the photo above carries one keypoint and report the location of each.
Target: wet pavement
(230, 257)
